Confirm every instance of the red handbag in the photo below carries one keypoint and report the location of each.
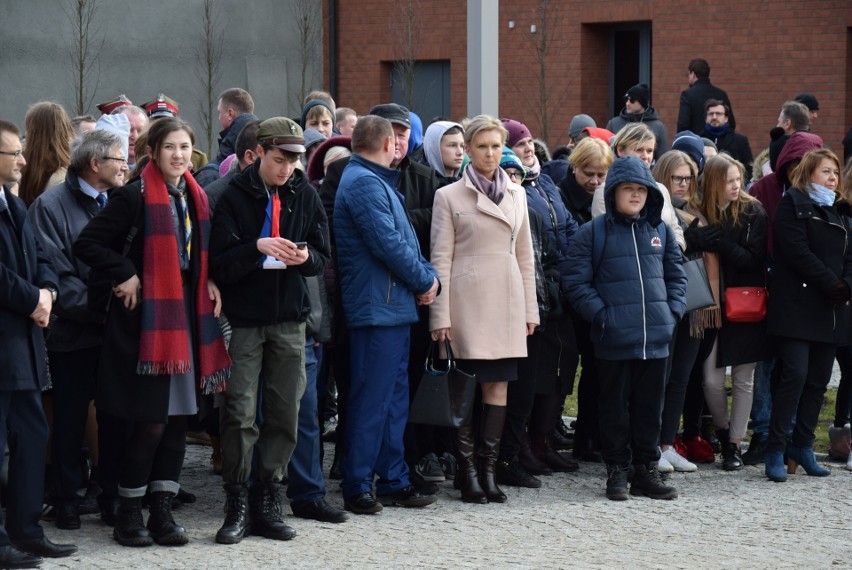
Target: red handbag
(745, 304)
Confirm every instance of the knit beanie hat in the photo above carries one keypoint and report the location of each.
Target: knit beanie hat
(641, 93)
(578, 123)
(692, 145)
(517, 131)
(312, 137)
(511, 160)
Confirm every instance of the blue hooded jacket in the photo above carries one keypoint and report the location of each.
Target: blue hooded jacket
(636, 292)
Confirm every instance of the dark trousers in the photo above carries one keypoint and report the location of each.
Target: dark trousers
(693, 406)
(804, 375)
(73, 374)
(588, 392)
(843, 406)
(630, 406)
(23, 428)
(519, 403)
(377, 411)
(684, 350)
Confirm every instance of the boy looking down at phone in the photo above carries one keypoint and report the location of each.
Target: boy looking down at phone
(262, 217)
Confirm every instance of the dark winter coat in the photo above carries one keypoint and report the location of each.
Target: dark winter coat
(253, 296)
(652, 121)
(22, 273)
(742, 259)
(543, 196)
(634, 294)
(577, 201)
(228, 137)
(692, 116)
(812, 254)
(736, 145)
(120, 391)
(57, 217)
(771, 187)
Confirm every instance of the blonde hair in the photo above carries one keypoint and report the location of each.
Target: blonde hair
(801, 175)
(633, 134)
(671, 161)
(589, 151)
(714, 179)
(482, 123)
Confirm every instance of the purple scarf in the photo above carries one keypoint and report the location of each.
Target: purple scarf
(494, 189)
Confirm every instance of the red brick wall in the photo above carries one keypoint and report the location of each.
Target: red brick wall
(762, 52)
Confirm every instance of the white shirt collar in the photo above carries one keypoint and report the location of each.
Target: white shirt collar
(88, 189)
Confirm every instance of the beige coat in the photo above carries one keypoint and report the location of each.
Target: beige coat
(483, 255)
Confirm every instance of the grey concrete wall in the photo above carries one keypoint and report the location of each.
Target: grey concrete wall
(150, 47)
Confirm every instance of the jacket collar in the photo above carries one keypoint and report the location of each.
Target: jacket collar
(389, 175)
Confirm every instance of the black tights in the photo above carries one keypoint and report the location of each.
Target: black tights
(153, 452)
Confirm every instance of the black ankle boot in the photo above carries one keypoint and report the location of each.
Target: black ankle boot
(731, 458)
(530, 461)
(236, 524)
(493, 418)
(161, 523)
(544, 450)
(129, 528)
(265, 509)
(467, 478)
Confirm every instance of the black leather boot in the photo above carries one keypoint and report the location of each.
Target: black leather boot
(129, 528)
(543, 449)
(265, 509)
(731, 458)
(493, 418)
(530, 461)
(467, 479)
(236, 524)
(161, 523)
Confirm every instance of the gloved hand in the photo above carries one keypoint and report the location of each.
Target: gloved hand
(705, 238)
(840, 292)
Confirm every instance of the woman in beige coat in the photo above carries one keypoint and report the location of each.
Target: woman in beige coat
(482, 251)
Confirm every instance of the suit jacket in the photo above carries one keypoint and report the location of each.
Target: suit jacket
(692, 116)
(22, 273)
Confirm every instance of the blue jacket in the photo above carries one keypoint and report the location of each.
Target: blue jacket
(635, 293)
(543, 196)
(380, 266)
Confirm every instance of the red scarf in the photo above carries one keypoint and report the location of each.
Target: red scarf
(163, 341)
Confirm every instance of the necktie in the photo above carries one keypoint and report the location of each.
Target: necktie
(276, 216)
(183, 217)
(101, 199)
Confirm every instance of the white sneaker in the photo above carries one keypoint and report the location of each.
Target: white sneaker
(849, 462)
(678, 462)
(663, 466)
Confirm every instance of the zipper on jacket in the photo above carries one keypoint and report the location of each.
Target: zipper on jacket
(390, 284)
(642, 288)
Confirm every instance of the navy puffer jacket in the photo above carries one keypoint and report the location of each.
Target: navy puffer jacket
(635, 293)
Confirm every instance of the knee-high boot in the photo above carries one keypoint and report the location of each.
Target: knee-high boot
(466, 475)
(493, 418)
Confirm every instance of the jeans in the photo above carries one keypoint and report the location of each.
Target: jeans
(761, 405)
(305, 470)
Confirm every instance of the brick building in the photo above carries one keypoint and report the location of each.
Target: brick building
(762, 52)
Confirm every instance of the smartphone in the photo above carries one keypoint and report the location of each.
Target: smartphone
(301, 244)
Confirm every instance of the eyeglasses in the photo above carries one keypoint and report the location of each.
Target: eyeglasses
(514, 174)
(629, 99)
(15, 153)
(124, 160)
(678, 180)
(715, 113)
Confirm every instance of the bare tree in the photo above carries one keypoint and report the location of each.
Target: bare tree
(86, 44)
(306, 18)
(208, 55)
(548, 17)
(405, 26)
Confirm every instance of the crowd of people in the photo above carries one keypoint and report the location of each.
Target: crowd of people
(303, 275)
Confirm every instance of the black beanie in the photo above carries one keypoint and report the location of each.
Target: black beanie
(779, 139)
(641, 93)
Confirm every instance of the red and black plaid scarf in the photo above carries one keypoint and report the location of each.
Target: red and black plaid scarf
(164, 343)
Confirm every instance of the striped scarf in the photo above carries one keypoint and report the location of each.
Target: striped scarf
(164, 341)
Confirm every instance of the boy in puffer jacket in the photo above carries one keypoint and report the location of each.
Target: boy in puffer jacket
(626, 277)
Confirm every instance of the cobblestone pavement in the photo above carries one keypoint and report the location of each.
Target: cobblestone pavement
(721, 520)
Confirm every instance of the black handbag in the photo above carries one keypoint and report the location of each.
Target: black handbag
(699, 295)
(444, 397)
